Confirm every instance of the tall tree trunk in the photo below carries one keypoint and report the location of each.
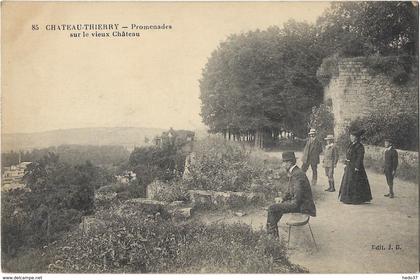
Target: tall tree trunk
(260, 138)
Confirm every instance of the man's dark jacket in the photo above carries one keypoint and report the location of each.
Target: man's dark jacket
(311, 151)
(299, 194)
(391, 160)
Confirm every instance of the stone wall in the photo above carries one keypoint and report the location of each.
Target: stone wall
(356, 91)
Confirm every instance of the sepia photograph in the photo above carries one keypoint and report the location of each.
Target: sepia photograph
(209, 138)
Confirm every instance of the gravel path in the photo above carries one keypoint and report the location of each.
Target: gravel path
(348, 236)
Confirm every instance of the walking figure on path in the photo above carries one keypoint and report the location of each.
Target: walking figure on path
(355, 188)
(330, 161)
(390, 166)
(311, 153)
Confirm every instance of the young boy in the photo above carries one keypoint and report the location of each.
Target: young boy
(330, 161)
(390, 166)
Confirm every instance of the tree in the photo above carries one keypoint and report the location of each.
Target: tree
(262, 82)
(322, 119)
(59, 195)
(154, 162)
(363, 27)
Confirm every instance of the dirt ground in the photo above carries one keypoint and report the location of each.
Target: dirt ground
(351, 238)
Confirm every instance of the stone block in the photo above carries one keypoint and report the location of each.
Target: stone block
(212, 199)
(220, 198)
(177, 203)
(201, 199)
(181, 213)
(133, 206)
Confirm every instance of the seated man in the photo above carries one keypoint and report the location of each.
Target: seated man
(297, 199)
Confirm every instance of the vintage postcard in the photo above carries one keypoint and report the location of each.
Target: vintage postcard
(209, 137)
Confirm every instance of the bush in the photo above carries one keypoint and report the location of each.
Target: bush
(342, 142)
(220, 165)
(55, 198)
(30, 261)
(106, 195)
(327, 70)
(175, 191)
(136, 189)
(401, 127)
(295, 144)
(398, 68)
(152, 244)
(157, 163)
(14, 219)
(405, 170)
(112, 188)
(233, 249)
(322, 119)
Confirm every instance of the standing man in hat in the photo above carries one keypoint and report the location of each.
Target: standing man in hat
(311, 155)
(390, 166)
(330, 161)
(298, 197)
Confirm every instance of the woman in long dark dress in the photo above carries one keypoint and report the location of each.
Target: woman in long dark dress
(355, 188)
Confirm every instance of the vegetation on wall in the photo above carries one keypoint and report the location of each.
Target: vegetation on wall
(400, 69)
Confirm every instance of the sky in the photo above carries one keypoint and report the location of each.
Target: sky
(52, 81)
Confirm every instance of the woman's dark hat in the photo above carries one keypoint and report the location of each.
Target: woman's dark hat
(288, 156)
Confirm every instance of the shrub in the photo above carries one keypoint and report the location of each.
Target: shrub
(152, 244)
(405, 170)
(14, 219)
(327, 70)
(399, 68)
(322, 119)
(233, 249)
(342, 142)
(221, 165)
(163, 163)
(136, 189)
(57, 195)
(105, 195)
(30, 261)
(401, 127)
(112, 188)
(175, 191)
(295, 144)
(270, 179)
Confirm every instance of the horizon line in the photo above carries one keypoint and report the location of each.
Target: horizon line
(102, 127)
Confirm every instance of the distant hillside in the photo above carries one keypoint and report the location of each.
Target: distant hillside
(128, 137)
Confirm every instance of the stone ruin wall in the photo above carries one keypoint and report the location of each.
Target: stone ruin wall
(357, 91)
